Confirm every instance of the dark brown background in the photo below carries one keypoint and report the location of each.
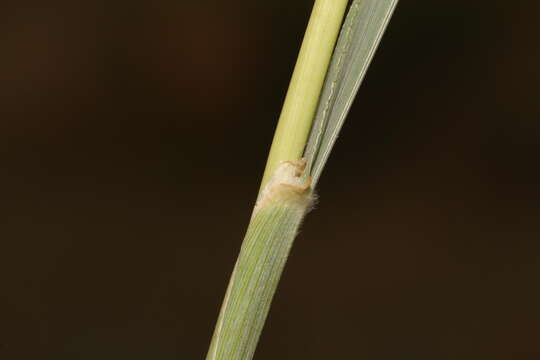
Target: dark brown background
(133, 135)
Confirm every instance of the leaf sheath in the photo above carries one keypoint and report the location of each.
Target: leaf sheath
(254, 280)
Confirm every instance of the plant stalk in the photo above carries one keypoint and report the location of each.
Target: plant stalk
(306, 83)
(284, 197)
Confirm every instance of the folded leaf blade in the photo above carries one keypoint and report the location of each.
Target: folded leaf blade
(360, 36)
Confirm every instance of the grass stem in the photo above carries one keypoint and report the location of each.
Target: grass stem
(306, 83)
(292, 169)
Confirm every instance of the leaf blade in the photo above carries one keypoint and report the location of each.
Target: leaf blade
(360, 36)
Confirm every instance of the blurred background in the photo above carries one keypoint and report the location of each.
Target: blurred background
(133, 136)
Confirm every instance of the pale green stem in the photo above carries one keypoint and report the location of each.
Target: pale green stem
(286, 190)
(304, 90)
(284, 197)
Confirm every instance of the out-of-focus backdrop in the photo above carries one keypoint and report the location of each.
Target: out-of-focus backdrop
(133, 136)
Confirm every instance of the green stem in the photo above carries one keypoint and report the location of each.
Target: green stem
(284, 197)
(304, 90)
(286, 191)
